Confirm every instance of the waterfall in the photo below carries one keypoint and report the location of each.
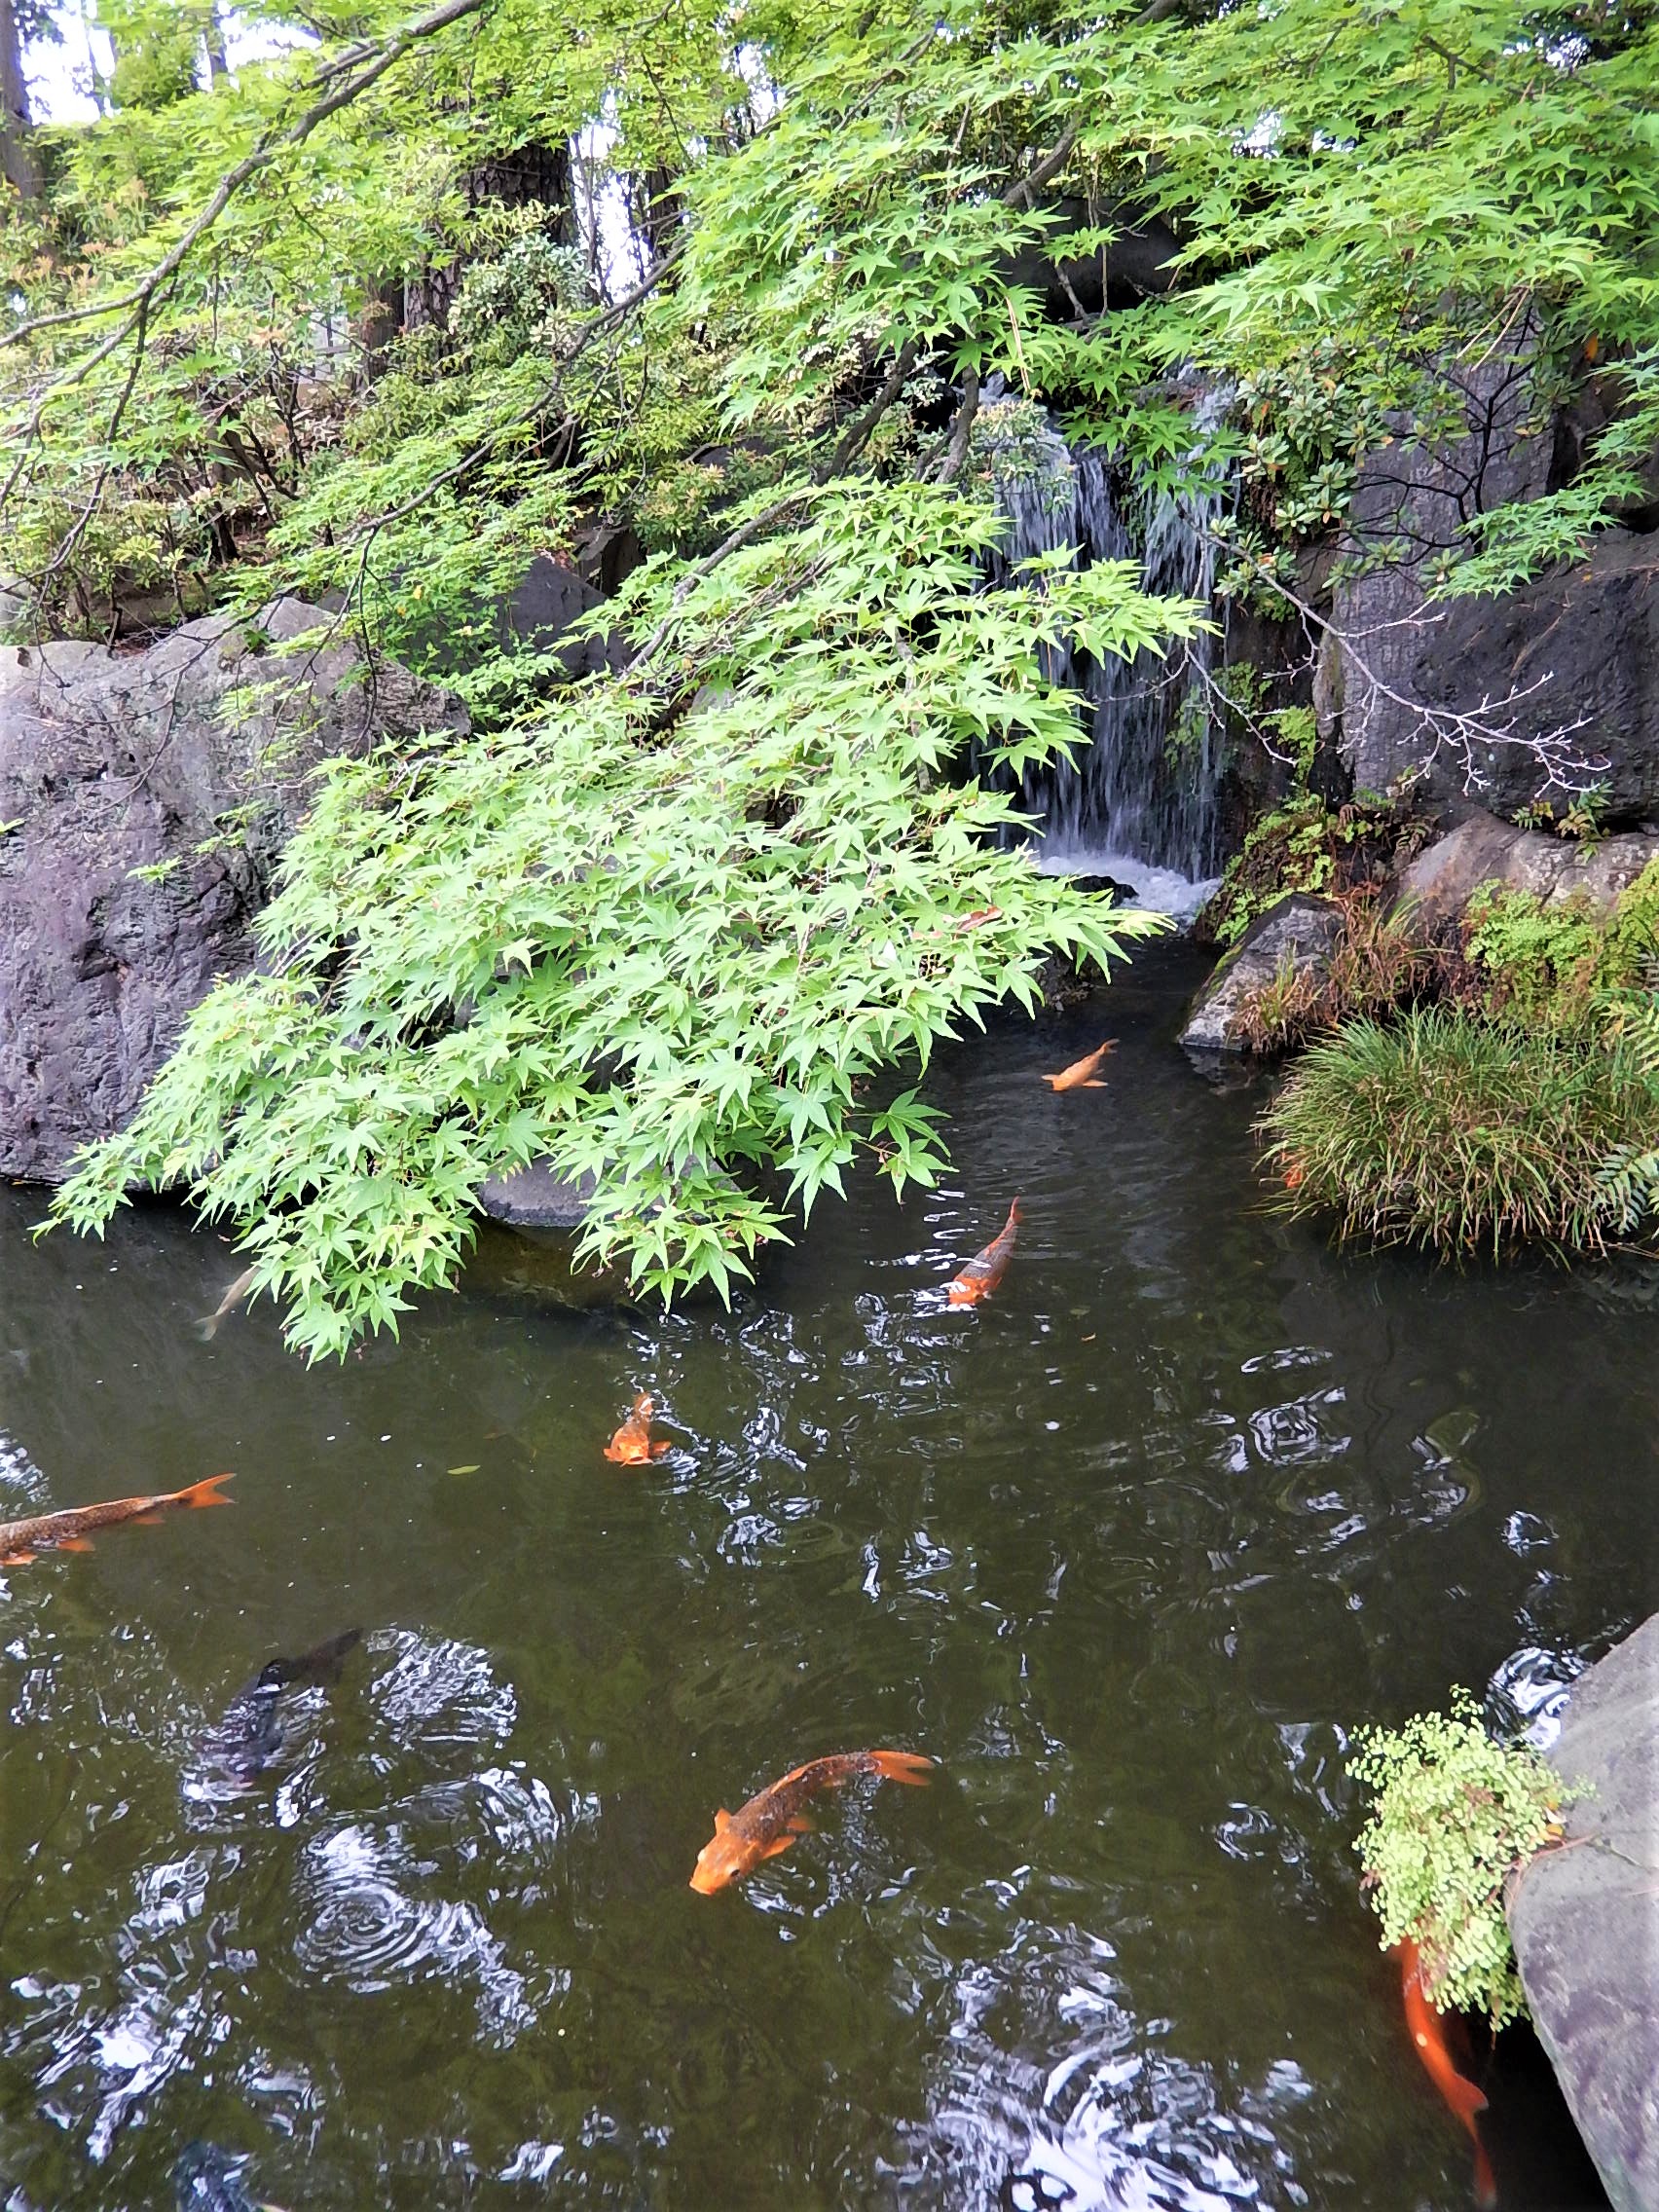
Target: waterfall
(1141, 801)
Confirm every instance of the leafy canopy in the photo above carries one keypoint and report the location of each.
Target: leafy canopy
(691, 917)
(678, 959)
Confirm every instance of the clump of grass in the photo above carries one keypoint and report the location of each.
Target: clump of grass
(1377, 963)
(1454, 1818)
(1460, 1135)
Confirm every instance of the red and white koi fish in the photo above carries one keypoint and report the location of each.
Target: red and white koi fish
(632, 1446)
(980, 1276)
(1080, 1076)
(71, 1529)
(772, 1819)
(1431, 2032)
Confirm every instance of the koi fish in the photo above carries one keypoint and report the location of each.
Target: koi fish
(1080, 1076)
(1430, 2032)
(247, 1738)
(206, 2178)
(207, 1328)
(632, 1445)
(772, 1819)
(1295, 1175)
(980, 1276)
(70, 1531)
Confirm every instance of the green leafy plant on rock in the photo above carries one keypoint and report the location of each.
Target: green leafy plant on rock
(1308, 846)
(1454, 1818)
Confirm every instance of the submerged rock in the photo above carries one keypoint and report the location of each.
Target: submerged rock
(1298, 930)
(1445, 876)
(1586, 1921)
(114, 763)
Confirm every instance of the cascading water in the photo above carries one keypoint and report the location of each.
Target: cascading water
(1141, 801)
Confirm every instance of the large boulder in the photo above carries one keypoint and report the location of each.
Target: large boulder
(1444, 877)
(1585, 1920)
(1475, 694)
(116, 762)
(1297, 931)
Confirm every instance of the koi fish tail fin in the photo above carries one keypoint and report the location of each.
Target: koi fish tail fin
(1013, 1213)
(900, 1766)
(323, 1662)
(204, 1492)
(1486, 2183)
(207, 1328)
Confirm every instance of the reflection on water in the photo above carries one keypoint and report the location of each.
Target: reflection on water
(1129, 1550)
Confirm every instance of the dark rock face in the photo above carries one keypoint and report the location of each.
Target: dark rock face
(1298, 930)
(1571, 660)
(535, 618)
(1445, 876)
(111, 762)
(1586, 1921)
(537, 1197)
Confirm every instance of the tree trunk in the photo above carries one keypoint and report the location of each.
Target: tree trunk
(528, 177)
(18, 163)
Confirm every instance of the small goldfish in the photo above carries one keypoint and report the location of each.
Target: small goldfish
(1080, 1076)
(772, 1819)
(632, 1445)
(1431, 2033)
(71, 1529)
(1295, 1175)
(980, 1276)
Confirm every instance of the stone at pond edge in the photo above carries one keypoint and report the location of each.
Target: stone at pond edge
(1297, 929)
(1445, 876)
(1586, 1922)
(113, 761)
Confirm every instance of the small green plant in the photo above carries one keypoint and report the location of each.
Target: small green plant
(1305, 846)
(1460, 1135)
(1454, 1818)
(1378, 963)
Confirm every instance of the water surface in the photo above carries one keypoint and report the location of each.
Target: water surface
(1129, 1550)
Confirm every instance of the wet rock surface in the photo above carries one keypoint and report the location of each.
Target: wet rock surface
(1585, 1921)
(1445, 876)
(1299, 931)
(112, 763)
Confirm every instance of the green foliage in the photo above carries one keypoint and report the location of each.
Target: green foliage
(1455, 1817)
(1374, 964)
(1303, 845)
(1564, 967)
(1460, 1134)
(674, 941)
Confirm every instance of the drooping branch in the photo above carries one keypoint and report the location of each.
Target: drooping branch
(347, 77)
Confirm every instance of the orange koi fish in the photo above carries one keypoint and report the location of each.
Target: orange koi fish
(771, 1819)
(1432, 2034)
(632, 1445)
(980, 1276)
(71, 1529)
(1080, 1076)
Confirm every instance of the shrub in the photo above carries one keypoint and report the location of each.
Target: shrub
(1458, 1134)
(1305, 846)
(1376, 965)
(1454, 1818)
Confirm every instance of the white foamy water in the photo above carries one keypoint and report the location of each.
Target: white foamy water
(1156, 890)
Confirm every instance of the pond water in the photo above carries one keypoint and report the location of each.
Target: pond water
(1129, 1550)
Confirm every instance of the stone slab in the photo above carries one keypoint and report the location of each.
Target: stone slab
(1586, 1922)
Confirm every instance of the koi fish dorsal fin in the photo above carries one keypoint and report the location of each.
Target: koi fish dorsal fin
(722, 1821)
